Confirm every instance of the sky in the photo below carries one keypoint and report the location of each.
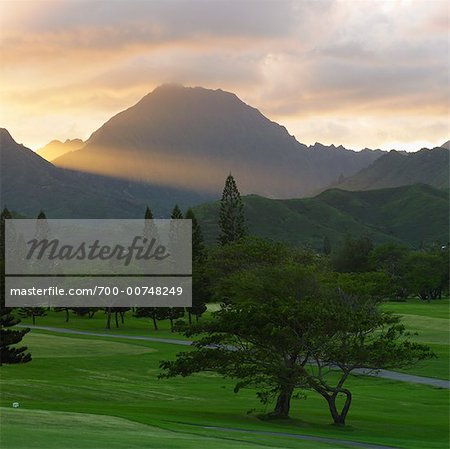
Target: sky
(361, 73)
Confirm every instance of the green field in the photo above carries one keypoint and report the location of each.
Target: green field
(96, 392)
(431, 323)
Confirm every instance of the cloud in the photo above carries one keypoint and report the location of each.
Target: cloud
(315, 66)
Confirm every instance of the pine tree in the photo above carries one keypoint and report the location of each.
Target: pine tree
(176, 213)
(150, 229)
(231, 218)
(200, 282)
(9, 338)
(198, 247)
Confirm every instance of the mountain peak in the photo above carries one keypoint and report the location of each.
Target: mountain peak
(5, 137)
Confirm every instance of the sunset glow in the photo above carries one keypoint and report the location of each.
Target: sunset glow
(358, 73)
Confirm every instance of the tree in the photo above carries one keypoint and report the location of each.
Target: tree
(150, 229)
(33, 312)
(353, 256)
(252, 339)
(423, 274)
(356, 334)
(390, 259)
(10, 353)
(231, 216)
(201, 290)
(64, 309)
(172, 314)
(283, 331)
(198, 246)
(9, 339)
(176, 213)
(155, 313)
(42, 228)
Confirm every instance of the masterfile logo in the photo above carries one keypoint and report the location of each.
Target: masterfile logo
(84, 263)
(96, 247)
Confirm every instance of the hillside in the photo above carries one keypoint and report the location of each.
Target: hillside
(192, 138)
(29, 184)
(416, 215)
(396, 169)
(56, 148)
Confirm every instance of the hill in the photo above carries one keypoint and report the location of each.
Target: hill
(192, 138)
(397, 169)
(415, 215)
(29, 184)
(56, 148)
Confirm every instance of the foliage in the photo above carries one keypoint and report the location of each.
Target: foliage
(282, 331)
(231, 216)
(10, 352)
(353, 256)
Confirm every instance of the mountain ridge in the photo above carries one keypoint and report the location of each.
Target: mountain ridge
(29, 183)
(210, 133)
(415, 215)
(394, 169)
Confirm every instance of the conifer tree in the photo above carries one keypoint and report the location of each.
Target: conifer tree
(150, 229)
(231, 218)
(200, 281)
(176, 213)
(9, 338)
(198, 247)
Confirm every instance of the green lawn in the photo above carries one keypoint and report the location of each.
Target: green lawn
(431, 323)
(93, 392)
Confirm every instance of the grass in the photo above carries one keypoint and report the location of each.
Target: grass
(93, 392)
(431, 323)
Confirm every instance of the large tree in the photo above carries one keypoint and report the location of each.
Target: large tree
(283, 331)
(231, 216)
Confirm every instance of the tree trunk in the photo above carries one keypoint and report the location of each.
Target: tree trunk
(283, 404)
(34, 318)
(122, 317)
(190, 317)
(67, 315)
(116, 314)
(108, 318)
(155, 325)
(171, 324)
(339, 418)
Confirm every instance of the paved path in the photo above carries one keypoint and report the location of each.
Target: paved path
(392, 375)
(347, 443)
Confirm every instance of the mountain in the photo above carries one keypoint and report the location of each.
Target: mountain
(192, 138)
(396, 169)
(56, 148)
(446, 145)
(29, 184)
(415, 215)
